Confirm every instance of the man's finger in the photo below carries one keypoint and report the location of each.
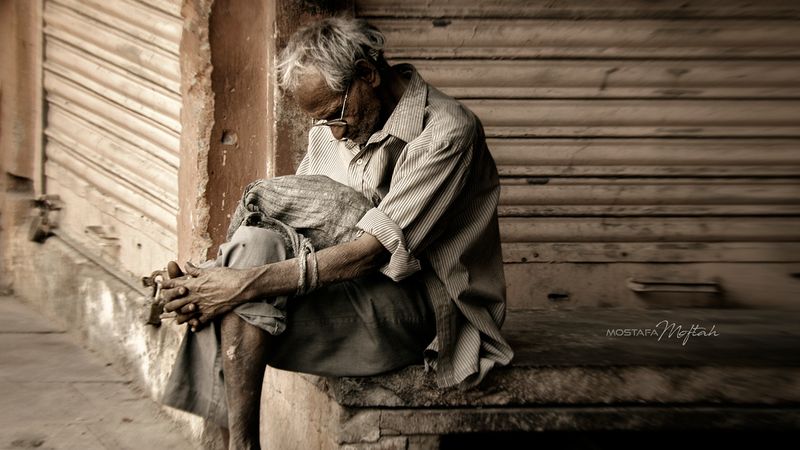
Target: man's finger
(176, 305)
(191, 269)
(174, 270)
(188, 309)
(195, 324)
(173, 283)
(183, 318)
(169, 293)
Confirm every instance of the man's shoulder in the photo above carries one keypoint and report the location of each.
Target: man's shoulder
(448, 118)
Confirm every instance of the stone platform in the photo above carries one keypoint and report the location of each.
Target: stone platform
(579, 370)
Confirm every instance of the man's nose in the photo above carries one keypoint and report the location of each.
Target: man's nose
(338, 132)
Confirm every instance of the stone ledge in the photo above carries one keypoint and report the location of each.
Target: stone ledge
(521, 386)
(298, 415)
(565, 357)
(568, 375)
(412, 422)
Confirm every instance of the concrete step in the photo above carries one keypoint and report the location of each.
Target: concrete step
(605, 356)
(578, 370)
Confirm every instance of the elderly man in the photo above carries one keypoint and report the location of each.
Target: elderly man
(421, 279)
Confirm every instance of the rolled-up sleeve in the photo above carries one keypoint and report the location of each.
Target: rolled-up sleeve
(425, 183)
(402, 262)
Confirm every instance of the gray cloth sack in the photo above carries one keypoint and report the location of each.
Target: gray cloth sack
(310, 212)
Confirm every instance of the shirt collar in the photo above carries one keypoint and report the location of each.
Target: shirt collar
(405, 122)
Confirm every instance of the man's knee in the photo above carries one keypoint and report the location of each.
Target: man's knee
(251, 247)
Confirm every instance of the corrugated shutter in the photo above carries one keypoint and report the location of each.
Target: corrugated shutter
(649, 151)
(112, 85)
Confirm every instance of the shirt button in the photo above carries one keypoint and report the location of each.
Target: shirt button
(360, 161)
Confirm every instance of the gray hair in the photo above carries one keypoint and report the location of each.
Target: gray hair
(330, 48)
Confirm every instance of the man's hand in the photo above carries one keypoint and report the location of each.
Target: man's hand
(204, 294)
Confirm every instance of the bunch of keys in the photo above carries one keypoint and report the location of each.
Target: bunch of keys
(156, 303)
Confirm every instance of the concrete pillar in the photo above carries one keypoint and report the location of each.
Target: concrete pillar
(237, 127)
(197, 121)
(20, 116)
(20, 88)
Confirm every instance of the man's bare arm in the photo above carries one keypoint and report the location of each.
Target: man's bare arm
(207, 293)
(338, 263)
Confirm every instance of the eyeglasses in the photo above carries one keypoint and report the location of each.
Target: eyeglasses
(340, 122)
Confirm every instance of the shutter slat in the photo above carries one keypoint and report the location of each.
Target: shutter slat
(143, 98)
(646, 156)
(111, 77)
(638, 118)
(109, 184)
(134, 19)
(650, 252)
(126, 161)
(613, 78)
(170, 7)
(581, 9)
(102, 41)
(136, 129)
(595, 39)
(646, 229)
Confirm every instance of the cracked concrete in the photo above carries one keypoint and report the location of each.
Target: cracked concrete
(56, 395)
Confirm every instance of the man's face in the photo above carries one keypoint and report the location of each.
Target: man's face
(361, 111)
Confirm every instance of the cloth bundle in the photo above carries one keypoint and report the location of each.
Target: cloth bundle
(310, 212)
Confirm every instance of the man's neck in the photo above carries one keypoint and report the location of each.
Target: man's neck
(393, 86)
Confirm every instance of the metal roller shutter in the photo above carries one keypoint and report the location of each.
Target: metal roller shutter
(649, 151)
(112, 86)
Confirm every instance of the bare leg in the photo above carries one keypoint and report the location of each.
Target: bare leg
(244, 358)
(244, 347)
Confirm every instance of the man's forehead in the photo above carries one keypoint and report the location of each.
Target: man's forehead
(314, 84)
(312, 80)
(313, 93)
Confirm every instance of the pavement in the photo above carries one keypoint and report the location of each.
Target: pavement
(54, 394)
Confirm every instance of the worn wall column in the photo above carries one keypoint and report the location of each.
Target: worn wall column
(197, 121)
(237, 127)
(20, 116)
(21, 87)
(239, 146)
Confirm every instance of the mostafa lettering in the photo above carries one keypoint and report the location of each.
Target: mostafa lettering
(628, 332)
(663, 329)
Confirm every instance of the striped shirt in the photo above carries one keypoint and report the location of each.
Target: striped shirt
(436, 188)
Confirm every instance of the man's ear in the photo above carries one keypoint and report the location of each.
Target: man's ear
(368, 72)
